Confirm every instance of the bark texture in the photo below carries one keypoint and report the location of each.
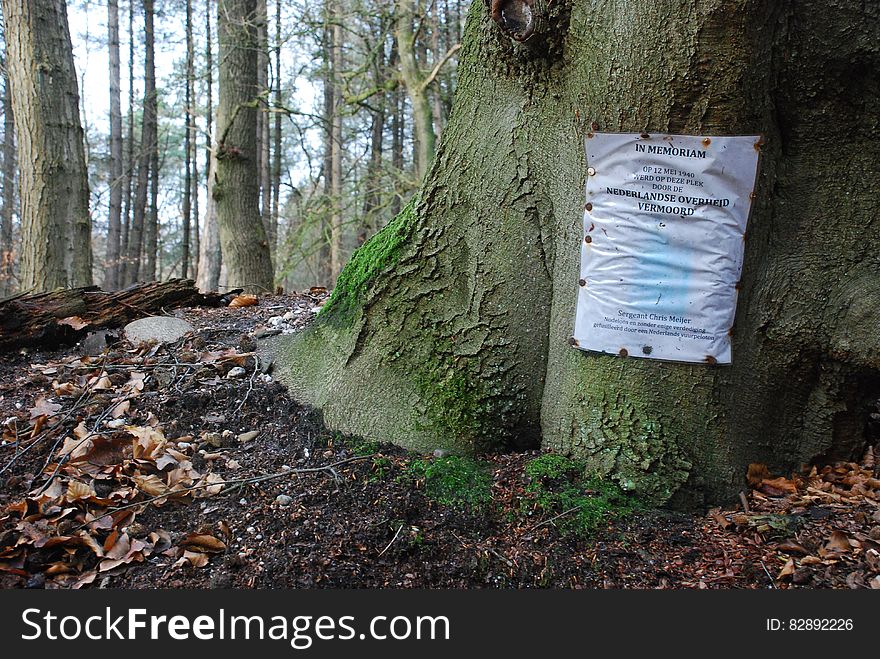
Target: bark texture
(114, 213)
(7, 212)
(236, 184)
(449, 328)
(55, 224)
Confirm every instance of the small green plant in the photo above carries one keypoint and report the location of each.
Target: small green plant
(380, 468)
(363, 447)
(559, 487)
(456, 481)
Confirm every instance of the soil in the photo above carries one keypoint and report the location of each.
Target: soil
(334, 512)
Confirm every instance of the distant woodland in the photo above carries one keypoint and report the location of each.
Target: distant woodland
(320, 119)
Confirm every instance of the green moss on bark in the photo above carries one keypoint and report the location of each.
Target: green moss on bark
(374, 257)
(452, 400)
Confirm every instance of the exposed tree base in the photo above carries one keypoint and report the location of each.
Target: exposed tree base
(64, 316)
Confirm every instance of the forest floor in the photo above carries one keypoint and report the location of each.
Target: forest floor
(187, 466)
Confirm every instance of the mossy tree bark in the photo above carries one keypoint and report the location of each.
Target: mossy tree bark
(450, 327)
(55, 221)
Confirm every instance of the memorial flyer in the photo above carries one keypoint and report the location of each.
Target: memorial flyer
(662, 250)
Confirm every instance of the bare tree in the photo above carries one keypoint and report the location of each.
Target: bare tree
(55, 222)
(236, 185)
(114, 225)
(7, 212)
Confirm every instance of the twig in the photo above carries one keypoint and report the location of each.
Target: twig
(399, 529)
(552, 519)
(250, 385)
(769, 576)
(237, 482)
(744, 501)
(503, 559)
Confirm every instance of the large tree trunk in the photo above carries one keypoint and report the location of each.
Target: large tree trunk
(450, 327)
(236, 185)
(114, 223)
(55, 224)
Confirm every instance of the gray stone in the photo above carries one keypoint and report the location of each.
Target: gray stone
(161, 329)
(94, 344)
(283, 500)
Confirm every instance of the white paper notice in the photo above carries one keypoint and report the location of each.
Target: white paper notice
(664, 226)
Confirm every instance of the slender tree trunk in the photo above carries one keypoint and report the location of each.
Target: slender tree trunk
(327, 135)
(337, 255)
(413, 81)
(397, 133)
(236, 180)
(373, 192)
(451, 327)
(114, 224)
(7, 213)
(435, 88)
(210, 255)
(276, 136)
(264, 144)
(55, 223)
(130, 151)
(148, 143)
(151, 221)
(194, 148)
(187, 147)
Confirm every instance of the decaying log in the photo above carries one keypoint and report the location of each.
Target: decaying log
(64, 316)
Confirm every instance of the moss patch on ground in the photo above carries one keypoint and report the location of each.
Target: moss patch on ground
(456, 481)
(559, 486)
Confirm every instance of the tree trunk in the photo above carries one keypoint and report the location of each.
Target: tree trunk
(114, 223)
(397, 130)
(337, 256)
(148, 143)
(188, 147)
(7, 213)
(130, 150)
(263, 140)
(276, 140)
(55, 224)
(413, 81)
(236, 179)
(209, 248)
(210, 255)
(151, 222)
(450, 327)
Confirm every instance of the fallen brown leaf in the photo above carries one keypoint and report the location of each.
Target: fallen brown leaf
(757, 473)
(203, 542)
(75, 322)
(838, 541)
(44, 407)
(243, 301)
